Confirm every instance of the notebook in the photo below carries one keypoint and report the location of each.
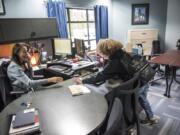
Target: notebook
(24, 118)
(78, 90)
(25, 129)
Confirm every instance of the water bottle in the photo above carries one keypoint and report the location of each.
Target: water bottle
(140, 49)
(135, 49)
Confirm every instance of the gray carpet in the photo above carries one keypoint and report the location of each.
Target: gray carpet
(167, 109)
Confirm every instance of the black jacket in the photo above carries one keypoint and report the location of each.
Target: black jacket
(113, 69)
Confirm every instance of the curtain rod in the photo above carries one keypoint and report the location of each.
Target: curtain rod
(90, 8)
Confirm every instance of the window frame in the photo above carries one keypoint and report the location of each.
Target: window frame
(69, 22)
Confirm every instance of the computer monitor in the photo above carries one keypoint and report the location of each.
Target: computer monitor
(62, 46)
(79, 47)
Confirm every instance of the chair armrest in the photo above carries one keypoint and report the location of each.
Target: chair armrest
(36, 77)
(130, 91)
(17, 92)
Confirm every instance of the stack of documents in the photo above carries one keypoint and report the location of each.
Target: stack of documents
(78, 90)
(25, 122)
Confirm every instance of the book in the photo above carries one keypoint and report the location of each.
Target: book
(24, 119)
(28, 128)
(78, 90)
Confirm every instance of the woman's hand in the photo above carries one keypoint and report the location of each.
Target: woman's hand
(55, 79)
(77, 80)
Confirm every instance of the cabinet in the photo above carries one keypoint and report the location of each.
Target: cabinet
(21, 29)
(142, 36)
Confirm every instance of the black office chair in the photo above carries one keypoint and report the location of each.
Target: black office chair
(6, 90)
(113, 121)
(127, 92)
(178, 44)
(156, 51)
(178, 48)
(1, 103)
(115, 118)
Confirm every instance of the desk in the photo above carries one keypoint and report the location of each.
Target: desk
(60, 113)
(67, 74)
(74, 68)
(171, 60)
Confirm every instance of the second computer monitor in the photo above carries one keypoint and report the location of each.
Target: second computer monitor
(62, 46)
(79, 47)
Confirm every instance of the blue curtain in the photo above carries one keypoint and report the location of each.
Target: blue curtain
(58, 9)
(101, 22)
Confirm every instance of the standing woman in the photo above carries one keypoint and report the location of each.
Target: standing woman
(114, 71)
(20, 72)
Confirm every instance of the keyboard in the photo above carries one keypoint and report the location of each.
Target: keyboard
(83, 62)
(59, 63)
(58, 67)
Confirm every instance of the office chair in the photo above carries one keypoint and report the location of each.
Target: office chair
(156, 51)
(1, 103)
(7, 93)
(178, 48)
(113, 121)
(115, 118)
(126, 92)
(156, 48)
(178, 44)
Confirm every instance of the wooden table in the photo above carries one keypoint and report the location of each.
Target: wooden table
(171, 60)
(60, 112)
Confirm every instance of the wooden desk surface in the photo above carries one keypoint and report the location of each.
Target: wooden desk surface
(60, 112)
(171, 58)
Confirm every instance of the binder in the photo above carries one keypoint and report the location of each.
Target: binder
(26, 129)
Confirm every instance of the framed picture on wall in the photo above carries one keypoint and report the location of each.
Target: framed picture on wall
(2, 8)
(140, 14)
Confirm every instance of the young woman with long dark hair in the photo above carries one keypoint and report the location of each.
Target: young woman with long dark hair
(20, 71)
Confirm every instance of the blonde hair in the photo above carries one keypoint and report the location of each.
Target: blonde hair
(108, 46)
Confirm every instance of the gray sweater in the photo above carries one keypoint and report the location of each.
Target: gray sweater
(20, 81)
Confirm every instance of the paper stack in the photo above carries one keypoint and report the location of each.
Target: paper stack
(78, 90)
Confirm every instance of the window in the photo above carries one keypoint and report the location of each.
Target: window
(81, 25)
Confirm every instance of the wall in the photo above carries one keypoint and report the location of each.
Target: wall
(37, 9)
(121, 17)
(173, 24)
(24, 9)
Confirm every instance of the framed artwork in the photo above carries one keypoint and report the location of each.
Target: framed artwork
(2, 8)
(140, 14)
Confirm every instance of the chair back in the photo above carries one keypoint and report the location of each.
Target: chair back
(114, 120)
(156, 48)
(178, 44)
(126, 92)
(5, 85)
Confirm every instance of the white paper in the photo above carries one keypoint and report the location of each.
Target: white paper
(78, 89)
(29, 110)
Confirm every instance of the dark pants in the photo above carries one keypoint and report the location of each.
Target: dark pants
(143, 101)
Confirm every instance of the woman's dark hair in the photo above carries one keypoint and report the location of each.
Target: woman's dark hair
(15, 57)
(15, 51)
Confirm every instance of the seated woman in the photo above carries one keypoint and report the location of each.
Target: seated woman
(20, 72)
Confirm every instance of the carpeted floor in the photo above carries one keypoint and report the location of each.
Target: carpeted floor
(167, 109)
